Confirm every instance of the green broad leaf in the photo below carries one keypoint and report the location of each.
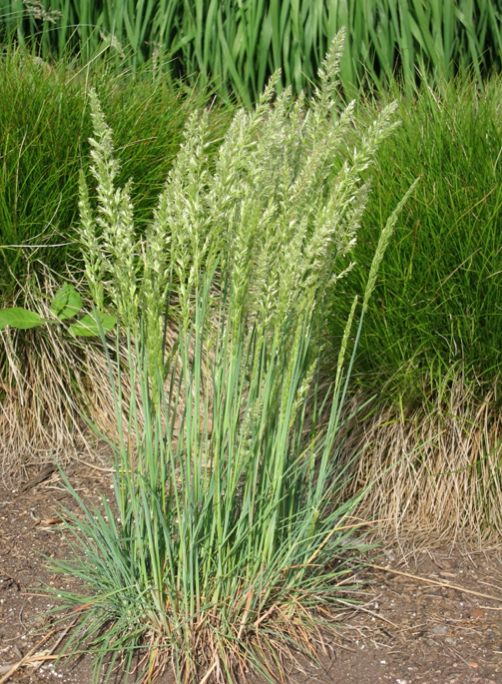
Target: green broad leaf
(60, 299)
(87, 326)
(66, 303)
(20, 318)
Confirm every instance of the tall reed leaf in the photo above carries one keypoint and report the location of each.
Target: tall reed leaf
(237, 45)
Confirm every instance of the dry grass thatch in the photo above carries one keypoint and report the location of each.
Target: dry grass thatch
(435, 468)
(50, 381)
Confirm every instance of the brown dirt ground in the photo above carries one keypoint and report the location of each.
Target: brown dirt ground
(407, 630)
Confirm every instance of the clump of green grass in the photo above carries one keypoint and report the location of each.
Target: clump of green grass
(231, 535)
(433, 327)
(435, 307)
(44, 135)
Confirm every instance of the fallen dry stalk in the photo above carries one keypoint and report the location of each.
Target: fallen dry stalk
(445, 585)
(370, 612)
(30, 653)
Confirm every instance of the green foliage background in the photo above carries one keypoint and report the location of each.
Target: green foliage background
(238, 44)
(44, 131)
(435, 316)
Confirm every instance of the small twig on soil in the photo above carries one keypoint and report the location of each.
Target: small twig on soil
(365, 610)
(407, 629)
(39, 659)
(48, 655)
(40, 477)
(446, 585)
(23, 660)
(94, 467)
(457, 654)
(346, 648)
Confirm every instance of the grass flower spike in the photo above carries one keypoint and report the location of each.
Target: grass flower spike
(114, 225)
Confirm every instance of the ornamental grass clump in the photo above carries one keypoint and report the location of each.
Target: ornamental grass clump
(227, 536)
(435, 320)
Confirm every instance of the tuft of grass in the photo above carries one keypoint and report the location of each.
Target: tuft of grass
(435, 307)
(433, 325)
(434, 468)
(231, 535)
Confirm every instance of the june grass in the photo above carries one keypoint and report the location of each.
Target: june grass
(231, 533)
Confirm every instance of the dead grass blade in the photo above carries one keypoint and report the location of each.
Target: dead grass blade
(30, 653)
(445, 585)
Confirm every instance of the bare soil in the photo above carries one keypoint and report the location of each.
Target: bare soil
(419, 627)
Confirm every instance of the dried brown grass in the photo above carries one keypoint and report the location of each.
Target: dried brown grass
(48, 382)
(435, 467)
